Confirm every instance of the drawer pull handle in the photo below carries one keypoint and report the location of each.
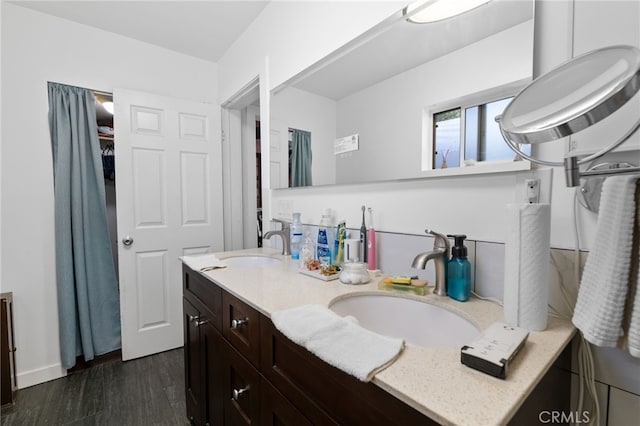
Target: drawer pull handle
(237, 393)
(199, 322)
(237, 323)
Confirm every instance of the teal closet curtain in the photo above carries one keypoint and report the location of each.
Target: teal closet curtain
(301, 158)
(87, 288)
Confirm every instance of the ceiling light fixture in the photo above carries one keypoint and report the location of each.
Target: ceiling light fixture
(425, 11)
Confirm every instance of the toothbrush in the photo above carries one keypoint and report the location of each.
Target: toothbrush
(363, 238)
(371, 243)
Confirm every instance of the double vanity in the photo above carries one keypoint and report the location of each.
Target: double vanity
(241, 370)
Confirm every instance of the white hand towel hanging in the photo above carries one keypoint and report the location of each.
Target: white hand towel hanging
(600, 307)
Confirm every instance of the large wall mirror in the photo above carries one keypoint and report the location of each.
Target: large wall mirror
(365, 113)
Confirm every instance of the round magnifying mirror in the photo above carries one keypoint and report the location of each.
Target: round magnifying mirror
(573, 96)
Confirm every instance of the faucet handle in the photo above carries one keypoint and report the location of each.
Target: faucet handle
(283, 223)
(441, 240)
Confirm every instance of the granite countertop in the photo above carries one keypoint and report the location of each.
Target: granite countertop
(432, 380)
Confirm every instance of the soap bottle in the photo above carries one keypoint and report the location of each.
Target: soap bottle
(459, 271)
(325, 238)
(296, 236)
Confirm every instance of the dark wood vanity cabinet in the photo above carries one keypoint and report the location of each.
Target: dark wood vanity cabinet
(239, 370)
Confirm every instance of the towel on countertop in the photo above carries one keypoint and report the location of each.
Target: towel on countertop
(600, 309)
(338, 341)
(198, 262)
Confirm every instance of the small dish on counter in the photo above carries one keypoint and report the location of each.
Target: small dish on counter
(315, 269)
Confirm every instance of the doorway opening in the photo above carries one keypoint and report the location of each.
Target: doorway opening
(242, 168)
(104, 118)
(82, 138)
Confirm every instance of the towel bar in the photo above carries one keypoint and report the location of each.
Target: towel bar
(590, 189)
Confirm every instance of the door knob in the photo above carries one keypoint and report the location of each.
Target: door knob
(127, 241)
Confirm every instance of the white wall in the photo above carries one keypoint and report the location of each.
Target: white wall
(37, 48)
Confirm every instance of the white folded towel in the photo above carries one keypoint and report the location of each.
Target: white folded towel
(600, 307)
(200, 261)
(338, 341)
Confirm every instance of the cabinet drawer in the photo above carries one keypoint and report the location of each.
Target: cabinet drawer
(241, 327)
(318, 389)
(240, 389)
(209, 294)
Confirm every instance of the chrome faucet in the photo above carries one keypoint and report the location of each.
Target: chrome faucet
(440, 256)
(284, 233)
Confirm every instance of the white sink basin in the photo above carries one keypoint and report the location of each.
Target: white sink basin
(418, 322)
(251, 261)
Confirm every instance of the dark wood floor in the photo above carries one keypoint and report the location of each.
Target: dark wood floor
(145, 391)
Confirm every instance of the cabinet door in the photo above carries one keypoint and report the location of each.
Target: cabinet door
(240, 389)
(275, 409)
(193, 364)
(211, 343)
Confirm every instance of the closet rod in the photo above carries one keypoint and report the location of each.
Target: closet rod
(98, 92)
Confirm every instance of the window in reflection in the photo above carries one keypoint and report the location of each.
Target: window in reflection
(470, 129)
(482, 140)
(446, 136)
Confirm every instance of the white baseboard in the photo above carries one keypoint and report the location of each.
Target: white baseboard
(40, 375)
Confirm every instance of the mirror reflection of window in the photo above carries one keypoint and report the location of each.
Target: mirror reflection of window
(472, 129)
(446, 147)
(483, 141)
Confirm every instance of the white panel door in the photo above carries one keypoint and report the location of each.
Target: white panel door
(278, 155)
(169, 204)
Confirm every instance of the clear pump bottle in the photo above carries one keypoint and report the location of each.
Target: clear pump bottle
(459, 271)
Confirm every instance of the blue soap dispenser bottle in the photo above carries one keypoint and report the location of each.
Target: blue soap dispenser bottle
(459, 271)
